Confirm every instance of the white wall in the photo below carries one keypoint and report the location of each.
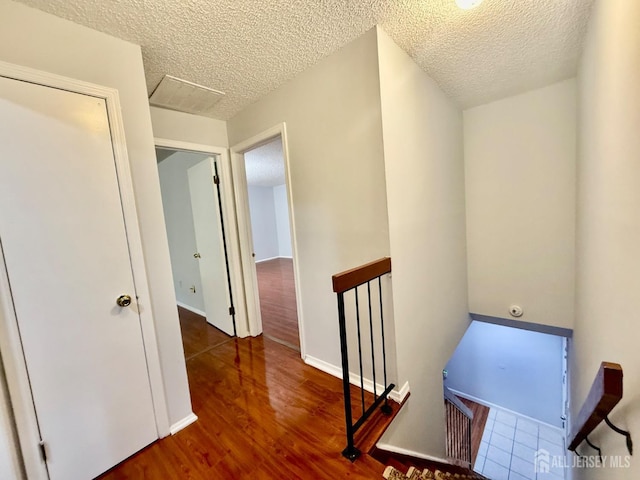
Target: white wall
(422, 131)
(332, 115)
(185, 127)
(520, 189)
(282, 220)
(65, 48)
(513, 368)
(263, 222)
(608, 226)
(176, 203)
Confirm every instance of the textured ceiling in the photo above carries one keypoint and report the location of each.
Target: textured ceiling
(265, 165)
(246, 48)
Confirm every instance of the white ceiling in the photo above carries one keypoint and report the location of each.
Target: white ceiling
(246, 48)
(265, 165)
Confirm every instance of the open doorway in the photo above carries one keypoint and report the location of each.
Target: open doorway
(193, 200)
(271, 237)
(278, 297)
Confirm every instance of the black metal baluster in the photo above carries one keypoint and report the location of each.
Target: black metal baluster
(351, 452)
(386, 408)
(373, 356)
(360, 350)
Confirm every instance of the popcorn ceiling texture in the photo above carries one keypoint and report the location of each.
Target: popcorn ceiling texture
(265, 165)
(247, 48)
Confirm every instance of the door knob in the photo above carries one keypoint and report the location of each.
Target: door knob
(196, 255)
(123, 300)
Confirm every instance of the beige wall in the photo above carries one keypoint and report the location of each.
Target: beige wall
(608, 222)
(184, 127)
(422, 131)
(332, 115)
(35, 39)
(520, 186)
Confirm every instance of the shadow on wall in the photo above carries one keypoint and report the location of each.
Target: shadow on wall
(511, 368)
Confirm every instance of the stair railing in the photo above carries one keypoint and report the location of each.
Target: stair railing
(348, 282)
(605, 393)
(459, 420)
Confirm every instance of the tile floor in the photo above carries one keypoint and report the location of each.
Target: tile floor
(509, 446)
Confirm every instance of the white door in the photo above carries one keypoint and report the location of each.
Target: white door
(67, 258)
(208, 229)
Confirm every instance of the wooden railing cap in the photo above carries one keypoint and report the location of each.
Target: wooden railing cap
(357, 276)
(605, 393)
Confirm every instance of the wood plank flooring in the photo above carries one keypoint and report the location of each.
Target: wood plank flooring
(263, 414)
(277, 292)
(197, 335)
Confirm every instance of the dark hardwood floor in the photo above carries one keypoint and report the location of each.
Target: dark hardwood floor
(278, 301)
(263, 414)
(197, 335)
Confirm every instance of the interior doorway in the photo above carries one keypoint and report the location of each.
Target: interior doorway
(271, 237)
(266, 227)
(195, 231)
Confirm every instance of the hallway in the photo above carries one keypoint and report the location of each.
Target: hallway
(263, 414)
(278, 301)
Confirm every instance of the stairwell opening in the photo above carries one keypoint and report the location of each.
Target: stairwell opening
(510, 398)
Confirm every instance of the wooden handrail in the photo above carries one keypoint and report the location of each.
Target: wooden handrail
(357, 276)
(605, 394)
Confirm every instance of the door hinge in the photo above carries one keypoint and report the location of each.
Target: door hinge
(43, 451)
(232, 310)
(216, 179)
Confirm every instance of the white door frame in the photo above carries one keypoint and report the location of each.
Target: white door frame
(566, 386)
(244, 226)
(231, 229)
(10, 342)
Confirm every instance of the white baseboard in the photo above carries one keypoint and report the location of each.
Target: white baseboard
(396, 394)
(493, 405)
(401, 394)
(273, 258)
(185, 422)
(192, 309)
(403, 451)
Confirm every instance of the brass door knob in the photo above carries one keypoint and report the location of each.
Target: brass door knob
(123, 300)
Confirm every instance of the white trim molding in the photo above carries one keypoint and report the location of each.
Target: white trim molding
(185, 422)
(397, 394)
(411, 453)
(192, 309)
(187, 146)
(400, 395)
(273, 258)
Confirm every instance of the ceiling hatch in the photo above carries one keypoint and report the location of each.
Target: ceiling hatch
(184, 96)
